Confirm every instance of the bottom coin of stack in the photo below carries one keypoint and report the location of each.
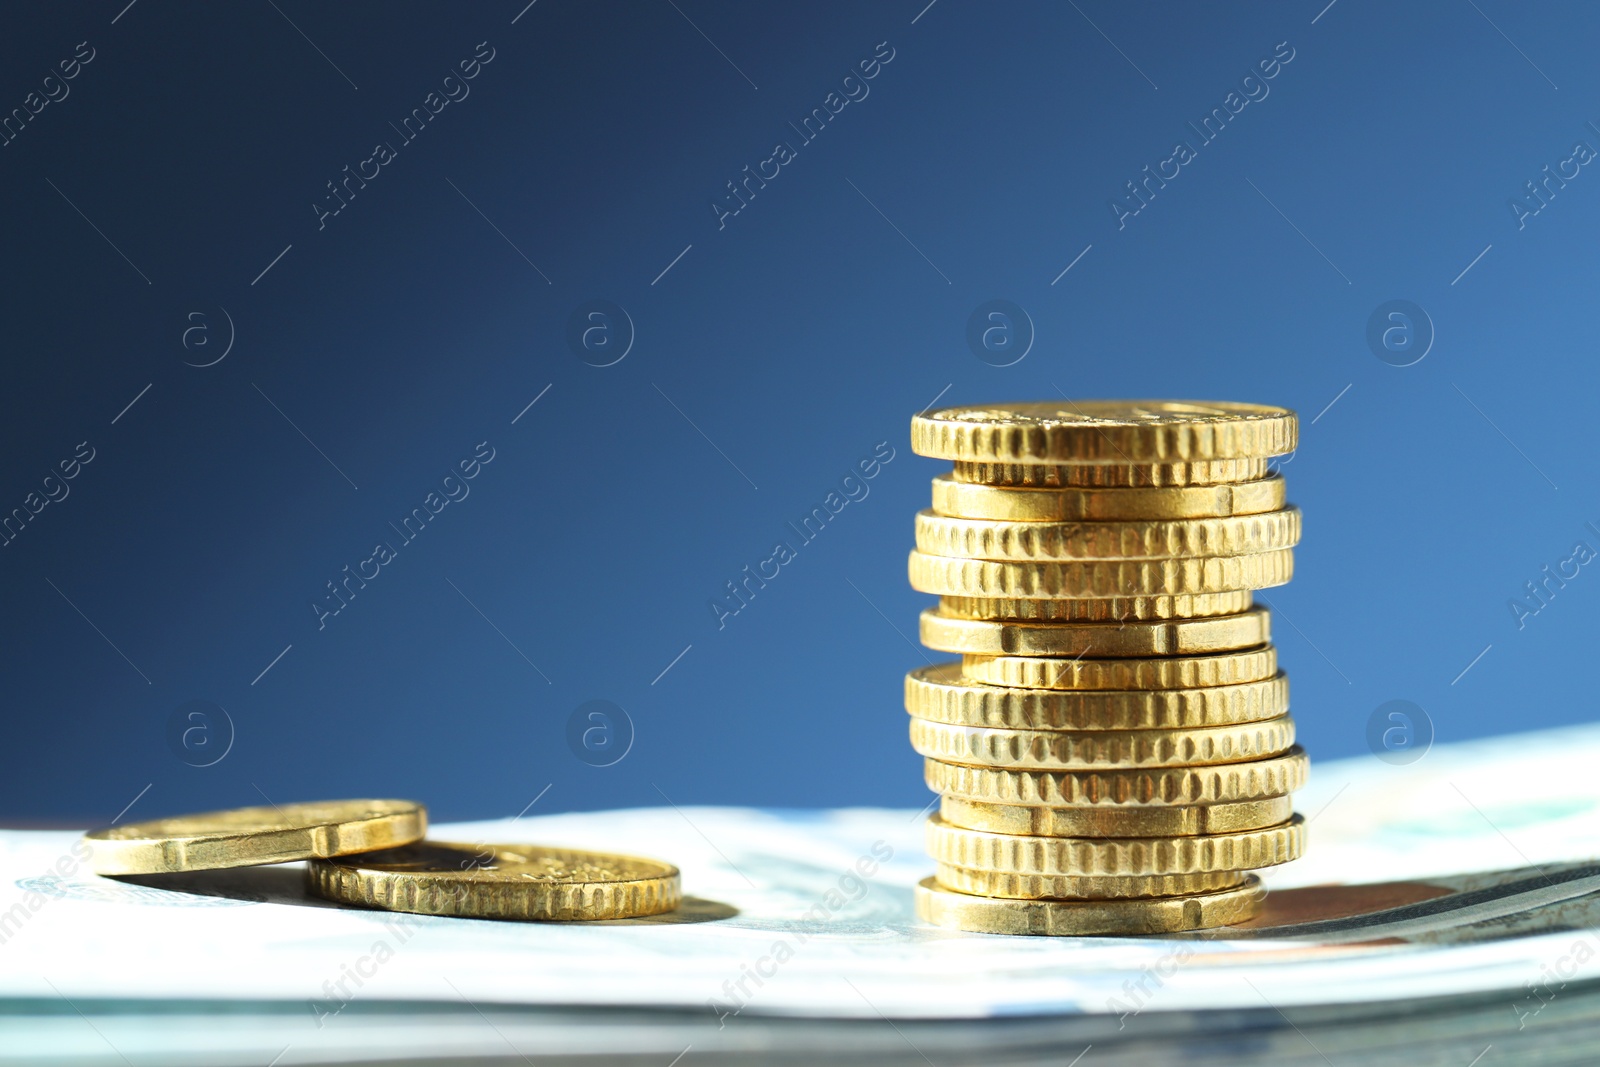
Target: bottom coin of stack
(373, 853)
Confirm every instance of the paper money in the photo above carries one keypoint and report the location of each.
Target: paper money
(1469, 874)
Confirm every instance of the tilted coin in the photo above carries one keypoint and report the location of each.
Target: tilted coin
(1274, 776)
(1060, 750)
(1155, 672)
(1114, 822)
(967, 500)
(1169, 637)
(1113, 475)
(1140, 916)
(1236, 535)
(1105, 431)
(941, 694)
(245, 837)
(1101, 578)
(1069, 887)
(1112, 609)
(500, 882)
(1239, 851)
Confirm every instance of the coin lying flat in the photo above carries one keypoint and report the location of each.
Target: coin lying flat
(500, 882)
(1129, 822)
(1155, 672)
(967, 500)
(1066, 918)
(1113, 475)
(245, 837)
(1260, 779)
(1172, 637)
(1022, 542)
(1100, 578)
(1101, 749)
(1243, 850)
(1121, 432)
(1069, 887)
(1109, 609)
(939, 693)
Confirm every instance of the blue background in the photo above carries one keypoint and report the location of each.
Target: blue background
(775, 353)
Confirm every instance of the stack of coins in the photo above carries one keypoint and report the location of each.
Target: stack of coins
(1113, 753)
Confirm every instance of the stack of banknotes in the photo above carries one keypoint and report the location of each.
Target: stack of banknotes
(1443, 916)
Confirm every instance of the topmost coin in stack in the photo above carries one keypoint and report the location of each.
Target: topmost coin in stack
(1113, 752)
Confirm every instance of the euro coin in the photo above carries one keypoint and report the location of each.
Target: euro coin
(528, 882)
(969, 500)
(1056, 750)
(1111, 609)
(1098, 579)
(1158, 672)
(1104, 431)
(1113, 475)
(939, 693)
(1022, 542)
(1122, 857)
(1274, 776)
(1069, 887)
(1138, 917)
(1172, 637)
(1102, 822)
(245, 837)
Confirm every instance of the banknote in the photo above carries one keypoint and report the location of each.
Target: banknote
(1466, 879)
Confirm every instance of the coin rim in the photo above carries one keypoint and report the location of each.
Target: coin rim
(950, 909)
(208, 851)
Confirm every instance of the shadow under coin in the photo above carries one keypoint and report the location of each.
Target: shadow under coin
(277, 884)
(692, 910)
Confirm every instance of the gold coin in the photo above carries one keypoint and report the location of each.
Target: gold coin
(1073, 918)
(1113, 609)
(1091, 887)
(1132, 822)
(1109, 856)
(1096, 579)
(245, 837)
(1059, 750)
(1237, 535)
(1105, 431)
(1157, 787)
(939, 693)
(500, 882)
(1157, 672)
(947, 633)
(1205, 472)
(965, 500)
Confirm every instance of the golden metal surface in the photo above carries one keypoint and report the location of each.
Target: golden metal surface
(1113, 475)
(1069, 918)
(244, 837)
(939, 693)
(1177, 637)
(1057, 750)
(968, 500)
(1154, 672)
(1242, 850)
(1114, 609)
(1080, 887)
(992, 539)
(1113, 822)
(1275, 776)
(500, 882)
(1105, 431)
(1098, 579)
